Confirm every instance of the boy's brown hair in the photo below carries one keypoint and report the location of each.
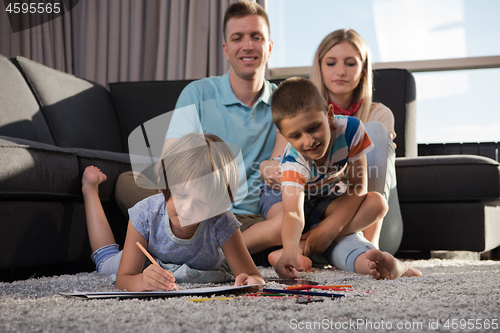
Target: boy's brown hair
(294, 96)
(244, 8)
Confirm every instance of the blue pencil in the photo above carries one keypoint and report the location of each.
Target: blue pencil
(300, 292)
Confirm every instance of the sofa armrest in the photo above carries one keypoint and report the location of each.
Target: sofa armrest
(33, 170)
(448, 178)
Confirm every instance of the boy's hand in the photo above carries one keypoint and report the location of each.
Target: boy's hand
(317, 240)
(287, 265)
(156, 278)
(270, 173)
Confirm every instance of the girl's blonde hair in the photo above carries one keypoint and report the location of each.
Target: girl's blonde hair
(206, 160)
(364, 89)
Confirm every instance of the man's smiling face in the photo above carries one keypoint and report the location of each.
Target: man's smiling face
(247, 46)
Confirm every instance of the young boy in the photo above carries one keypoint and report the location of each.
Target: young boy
(324, 188)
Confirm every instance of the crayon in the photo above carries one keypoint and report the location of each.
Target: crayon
(300, 292)
(210, 299)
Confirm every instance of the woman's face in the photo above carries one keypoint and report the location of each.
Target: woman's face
(342, 69)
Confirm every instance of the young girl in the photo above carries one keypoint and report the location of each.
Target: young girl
(342, 71)
(182, 226)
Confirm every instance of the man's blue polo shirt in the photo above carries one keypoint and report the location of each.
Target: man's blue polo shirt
(222, 114)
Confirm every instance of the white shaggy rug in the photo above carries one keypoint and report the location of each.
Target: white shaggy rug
(452, 296)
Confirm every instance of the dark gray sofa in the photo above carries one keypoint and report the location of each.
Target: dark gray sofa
(449, 203)
(53, 125)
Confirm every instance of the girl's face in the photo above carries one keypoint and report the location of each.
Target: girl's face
(342, 69)
(187, 205)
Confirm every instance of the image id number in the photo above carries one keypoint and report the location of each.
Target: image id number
(33, 8)
(471, 324)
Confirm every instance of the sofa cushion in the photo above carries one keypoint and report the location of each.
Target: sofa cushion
(20, 116)
(80, 113)
(33, 171)
(396, 89)
(447, 178)
(138, 102)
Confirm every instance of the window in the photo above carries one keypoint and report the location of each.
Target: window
(458, 106)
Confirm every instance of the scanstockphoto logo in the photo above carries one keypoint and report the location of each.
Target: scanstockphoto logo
(26, 14)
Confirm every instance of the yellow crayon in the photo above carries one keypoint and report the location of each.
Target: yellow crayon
(209, 299)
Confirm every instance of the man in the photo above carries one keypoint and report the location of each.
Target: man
(236, 107)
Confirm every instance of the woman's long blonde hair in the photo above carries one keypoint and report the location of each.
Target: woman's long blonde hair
(364, 89)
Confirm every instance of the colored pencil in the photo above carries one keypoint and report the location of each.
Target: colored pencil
(300, 292)
(305, 287)
(335, 288)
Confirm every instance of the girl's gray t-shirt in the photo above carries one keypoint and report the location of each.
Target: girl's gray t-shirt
(202, 251)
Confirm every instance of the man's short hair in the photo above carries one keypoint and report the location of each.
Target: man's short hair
(244, 8)
(294, 96)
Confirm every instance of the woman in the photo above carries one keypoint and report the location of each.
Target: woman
(342, 71)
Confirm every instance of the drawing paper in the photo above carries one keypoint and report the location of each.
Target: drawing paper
(157, 294)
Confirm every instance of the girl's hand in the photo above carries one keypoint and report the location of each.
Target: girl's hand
(244, 280)
(270, 173)
(156, 278)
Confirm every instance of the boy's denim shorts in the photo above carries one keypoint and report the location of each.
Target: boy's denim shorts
(313, 208)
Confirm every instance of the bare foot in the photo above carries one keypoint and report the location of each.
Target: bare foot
(306, 263)
(92, 177)
(383, 265)
(274, 256)
(303, 260)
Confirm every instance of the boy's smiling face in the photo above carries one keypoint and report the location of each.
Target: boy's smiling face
(309, 133)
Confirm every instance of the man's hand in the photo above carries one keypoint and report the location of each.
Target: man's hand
(287, 265)
(270, 173)
(318, 240)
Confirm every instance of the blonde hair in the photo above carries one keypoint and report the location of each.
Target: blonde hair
(195, 156)
(364, 89)
(294, 96)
